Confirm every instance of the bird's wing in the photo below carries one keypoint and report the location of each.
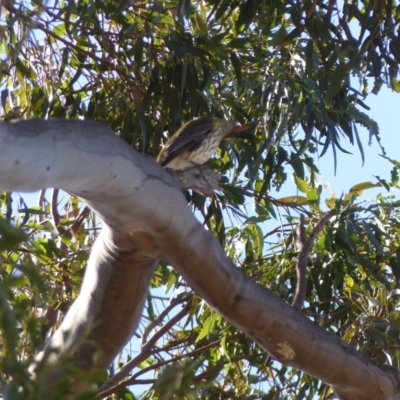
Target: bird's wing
(189, 139)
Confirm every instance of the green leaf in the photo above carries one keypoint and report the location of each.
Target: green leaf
(313, 194)
(372, 237)
(222, 9)
(301, 184)
(125, 394)
(383, 183)
(394, 173)
(278, 36)
(237, 67)
(64, 62)
(238, 43)
(208, 326)
(336, 82)
(331, 203)
(201, 24)
(10, 237)
(349, 281)
(138, 52)
(360, 187)
(299, 200)
(26, 72)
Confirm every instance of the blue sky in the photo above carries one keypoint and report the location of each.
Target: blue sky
(350, 170)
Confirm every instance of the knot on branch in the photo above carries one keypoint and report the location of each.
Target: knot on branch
(201, 178)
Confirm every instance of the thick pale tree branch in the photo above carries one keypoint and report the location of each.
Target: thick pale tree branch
(146, 218)
(106, 313)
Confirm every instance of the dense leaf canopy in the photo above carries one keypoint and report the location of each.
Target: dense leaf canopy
(299, 73)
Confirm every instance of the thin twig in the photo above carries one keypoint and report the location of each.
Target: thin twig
(133, 379)
(160, 318)
(304, 251)
(109, 388)
(54, 209)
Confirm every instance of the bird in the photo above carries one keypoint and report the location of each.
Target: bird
(196, 142)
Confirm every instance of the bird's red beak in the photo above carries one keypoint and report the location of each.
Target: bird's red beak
(237, 130)
(241, 128)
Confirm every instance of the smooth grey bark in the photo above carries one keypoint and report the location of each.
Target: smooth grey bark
(105, 314)
(147, 218)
